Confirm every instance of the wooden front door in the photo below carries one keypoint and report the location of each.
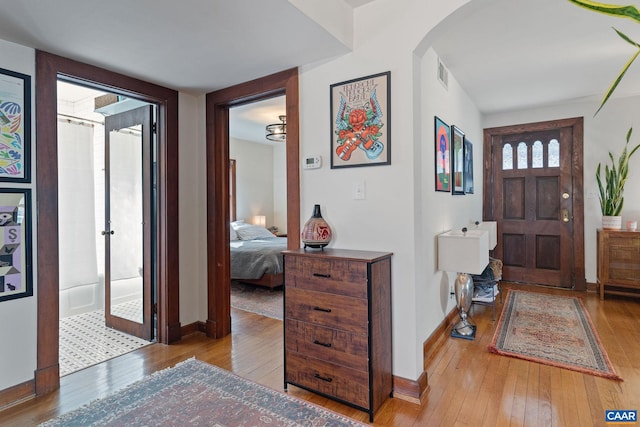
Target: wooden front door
(533, 189)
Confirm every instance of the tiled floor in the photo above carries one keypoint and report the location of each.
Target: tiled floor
(86, 341)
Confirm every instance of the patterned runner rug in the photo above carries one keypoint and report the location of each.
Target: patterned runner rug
(196, 393)
(553, 330)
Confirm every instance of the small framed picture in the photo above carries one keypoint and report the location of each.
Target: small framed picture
(468, 166)
(361, 122)
(15, 123)
(442, 150)
(15, 244)
(457, 160)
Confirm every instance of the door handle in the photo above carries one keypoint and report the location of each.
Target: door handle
(565, 215)
(104, 233)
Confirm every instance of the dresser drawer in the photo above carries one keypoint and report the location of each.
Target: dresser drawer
(328, 310)
(333, 380)
(331, 345)
(337, 276)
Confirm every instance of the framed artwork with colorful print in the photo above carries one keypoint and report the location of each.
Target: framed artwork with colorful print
(15, 243)
(15, 126)
(457, 159)
(361, 122)
(468, 167)
(442, 149)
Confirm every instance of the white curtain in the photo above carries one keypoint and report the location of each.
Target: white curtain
(76, 205)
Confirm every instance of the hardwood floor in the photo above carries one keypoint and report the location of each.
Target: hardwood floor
(468, 385)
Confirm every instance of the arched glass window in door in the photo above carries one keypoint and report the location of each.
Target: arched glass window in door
(507, 157)
(554, 154)
(522, 155)
(537, 155)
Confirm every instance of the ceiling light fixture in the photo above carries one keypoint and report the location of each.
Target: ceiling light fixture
(277, 131)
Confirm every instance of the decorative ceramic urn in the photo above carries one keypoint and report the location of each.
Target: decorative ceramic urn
(316, 233)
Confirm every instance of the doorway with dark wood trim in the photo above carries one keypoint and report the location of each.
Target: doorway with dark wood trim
(218, 215)
(49, 68)
(533, 188)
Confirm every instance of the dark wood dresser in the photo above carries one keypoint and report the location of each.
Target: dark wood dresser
(337, 325)
(619, 262)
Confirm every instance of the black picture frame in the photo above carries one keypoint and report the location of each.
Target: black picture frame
(16, 279)
(442, 151)
(15, 127)
(457, 160)
(468, 167)
(361, 121)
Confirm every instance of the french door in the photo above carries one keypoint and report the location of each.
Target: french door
(533, 189)
(129, 222)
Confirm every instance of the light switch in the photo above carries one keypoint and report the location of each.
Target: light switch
(358, 191)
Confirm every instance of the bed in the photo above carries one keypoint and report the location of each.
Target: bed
(256, 256)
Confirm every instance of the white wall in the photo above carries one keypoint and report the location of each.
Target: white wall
(437, 212)
(386, 35)
(254, 179)
(279, 188)
(19, 316)
(192, 208)
(261, 178)
(602, 133)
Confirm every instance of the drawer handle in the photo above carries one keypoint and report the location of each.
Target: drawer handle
(326, 276)
(320, 377)
(326, 310)
(324, 344)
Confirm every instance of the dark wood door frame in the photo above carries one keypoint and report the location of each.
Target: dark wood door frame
(49, 68)
(218, 220)
(576, 126)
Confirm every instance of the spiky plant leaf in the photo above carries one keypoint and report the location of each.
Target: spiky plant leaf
(618, 79)
(630, 11)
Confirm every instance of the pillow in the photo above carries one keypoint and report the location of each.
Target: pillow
(233, 234)
(236, 224)
(250, 232)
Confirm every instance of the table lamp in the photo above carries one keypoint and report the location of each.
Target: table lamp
(260, 220)
(465, 252)
(492, 228)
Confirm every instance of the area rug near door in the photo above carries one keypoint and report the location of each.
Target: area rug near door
(553, 330)
(196, 393)
(263, 301)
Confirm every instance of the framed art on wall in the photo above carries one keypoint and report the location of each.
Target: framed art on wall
(15, 126)
(361, 122)
(442, 150)
(468, 166)
(457, 160)
(15, 244)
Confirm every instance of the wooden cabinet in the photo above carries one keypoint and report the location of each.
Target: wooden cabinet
(337, 325)
(619, 262)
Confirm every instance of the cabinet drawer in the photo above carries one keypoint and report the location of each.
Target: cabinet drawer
(331, 345)
(329, 310)
(338, 276)
(334, 380)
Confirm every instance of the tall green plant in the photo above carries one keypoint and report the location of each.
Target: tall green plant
(612, 189)
(630, 12)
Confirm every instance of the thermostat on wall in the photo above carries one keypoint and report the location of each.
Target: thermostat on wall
(312, 162)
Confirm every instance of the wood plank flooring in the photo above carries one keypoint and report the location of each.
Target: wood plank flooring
(468, 385)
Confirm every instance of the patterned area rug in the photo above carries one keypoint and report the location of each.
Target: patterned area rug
(196, 393)
(263, 301)
(553, 330)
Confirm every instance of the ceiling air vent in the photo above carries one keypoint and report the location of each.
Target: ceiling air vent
(443, 74)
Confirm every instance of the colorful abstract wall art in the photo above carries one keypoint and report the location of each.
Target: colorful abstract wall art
(360, 122)
(442, 160)
(15, 126)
